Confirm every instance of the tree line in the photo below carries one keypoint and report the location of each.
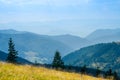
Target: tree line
(58, 63)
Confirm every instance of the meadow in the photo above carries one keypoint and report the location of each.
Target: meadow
(10, 71)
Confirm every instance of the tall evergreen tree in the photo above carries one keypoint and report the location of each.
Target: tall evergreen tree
(115, 75)
(110, 72)
(12, 53)
(83, 69)
(57, 61)
(97, 72)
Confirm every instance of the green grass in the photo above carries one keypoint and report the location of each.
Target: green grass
(19, 72)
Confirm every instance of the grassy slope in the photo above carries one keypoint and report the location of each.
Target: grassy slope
(19, 72)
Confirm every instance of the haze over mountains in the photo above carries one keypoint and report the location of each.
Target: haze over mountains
(20, 60)
(74, 42)
(104, 35)
(33, 46)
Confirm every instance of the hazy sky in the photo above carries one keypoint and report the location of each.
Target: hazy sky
(77, 17)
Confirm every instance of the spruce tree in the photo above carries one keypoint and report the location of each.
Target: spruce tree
(97, 72)
(12, 53)
(83, 69)
(115, 75)
(57, 61)
(110, 72)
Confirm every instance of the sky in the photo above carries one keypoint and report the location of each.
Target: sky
(56, 17)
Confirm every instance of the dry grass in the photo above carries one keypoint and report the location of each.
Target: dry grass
(19, 72)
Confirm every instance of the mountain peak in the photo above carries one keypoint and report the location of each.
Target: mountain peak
(103, 33)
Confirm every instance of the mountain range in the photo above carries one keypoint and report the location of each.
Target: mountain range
(32, 46)
(41, 48)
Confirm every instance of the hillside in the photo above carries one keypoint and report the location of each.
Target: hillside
(33, 46)
(3, 57)
(20, 72)
(105, 56)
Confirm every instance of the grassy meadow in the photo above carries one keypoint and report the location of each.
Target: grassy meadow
(26, 72)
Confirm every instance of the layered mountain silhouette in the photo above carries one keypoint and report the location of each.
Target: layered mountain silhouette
(40, 48)
(74, 42)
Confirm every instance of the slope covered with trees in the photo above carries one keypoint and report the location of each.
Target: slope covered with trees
(104, 56)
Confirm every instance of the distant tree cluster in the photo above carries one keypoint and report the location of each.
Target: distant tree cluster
(109, 74)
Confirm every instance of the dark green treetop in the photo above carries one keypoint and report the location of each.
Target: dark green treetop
(12, 53)
(57, 61)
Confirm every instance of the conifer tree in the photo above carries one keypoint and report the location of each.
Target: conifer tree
(12, 53)
(98, 72)
(115, 75)
(83, 69)
(57, 61)
(110, 72)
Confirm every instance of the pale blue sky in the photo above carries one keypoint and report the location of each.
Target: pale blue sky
(77, 17)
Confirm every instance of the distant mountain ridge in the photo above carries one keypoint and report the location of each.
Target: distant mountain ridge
(104, 35)
(105, 56)
(11, 31)
(74, 42)
(38, 47)
(33, 46)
